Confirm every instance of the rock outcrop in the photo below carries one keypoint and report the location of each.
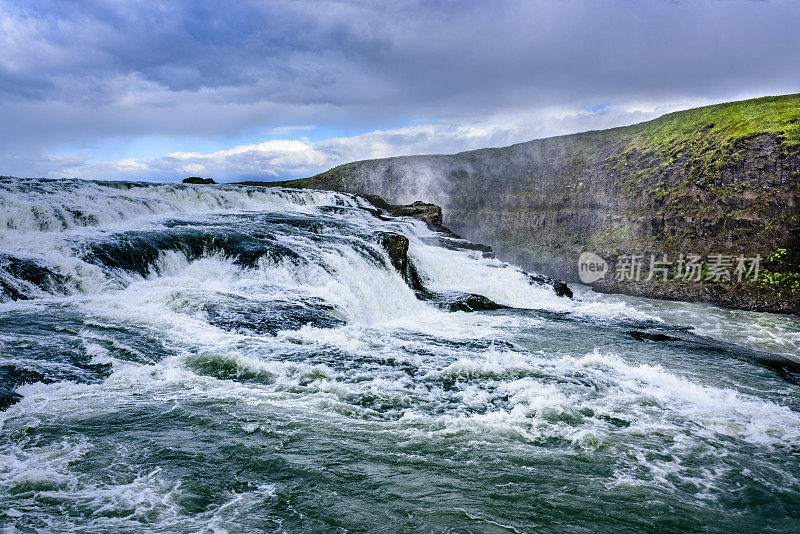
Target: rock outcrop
(431, 214)
(457, 301)
(396, 246)
(560, 287)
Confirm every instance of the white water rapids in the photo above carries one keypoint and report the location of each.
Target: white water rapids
(189, 358)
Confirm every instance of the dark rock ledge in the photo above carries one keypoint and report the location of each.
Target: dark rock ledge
(431, 214)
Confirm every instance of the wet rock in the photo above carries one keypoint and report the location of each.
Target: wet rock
(12, 377)
(561, 288)
(396, 246)
(459, 244)
(457, 301)
(651, 336)
(30, 273)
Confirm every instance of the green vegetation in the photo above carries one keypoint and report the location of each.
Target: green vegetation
(334, 179)
(703, 143)
(781, 274)
(722, 125)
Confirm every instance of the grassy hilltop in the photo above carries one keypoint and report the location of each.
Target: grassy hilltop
(720, 179)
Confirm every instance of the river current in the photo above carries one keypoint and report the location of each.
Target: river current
(178, 358)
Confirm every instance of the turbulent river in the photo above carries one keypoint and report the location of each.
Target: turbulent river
(179, 358)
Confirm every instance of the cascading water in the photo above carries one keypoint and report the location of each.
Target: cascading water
(184, 358)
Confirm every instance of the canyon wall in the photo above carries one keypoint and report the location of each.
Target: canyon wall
(721, 182)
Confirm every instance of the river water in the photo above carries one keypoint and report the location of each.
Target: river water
(179, 358)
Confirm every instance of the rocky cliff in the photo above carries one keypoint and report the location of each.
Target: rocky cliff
(714, 188)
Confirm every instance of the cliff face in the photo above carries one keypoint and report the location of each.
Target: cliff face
(721, 180)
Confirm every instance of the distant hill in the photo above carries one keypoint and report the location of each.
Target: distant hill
(198, 180)
(720, 179)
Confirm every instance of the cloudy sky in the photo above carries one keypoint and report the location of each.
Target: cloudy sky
(280, 89)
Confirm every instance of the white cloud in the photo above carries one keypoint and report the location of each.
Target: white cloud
(291, 158)
(472, 74)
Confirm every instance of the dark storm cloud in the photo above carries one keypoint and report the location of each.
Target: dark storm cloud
(78, 72)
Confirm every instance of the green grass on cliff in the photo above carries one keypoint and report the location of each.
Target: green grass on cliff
(702, 141)
(722, 125)
(700, 146)
(333, 179)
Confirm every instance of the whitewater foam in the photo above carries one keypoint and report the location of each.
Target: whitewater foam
(294, 357)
